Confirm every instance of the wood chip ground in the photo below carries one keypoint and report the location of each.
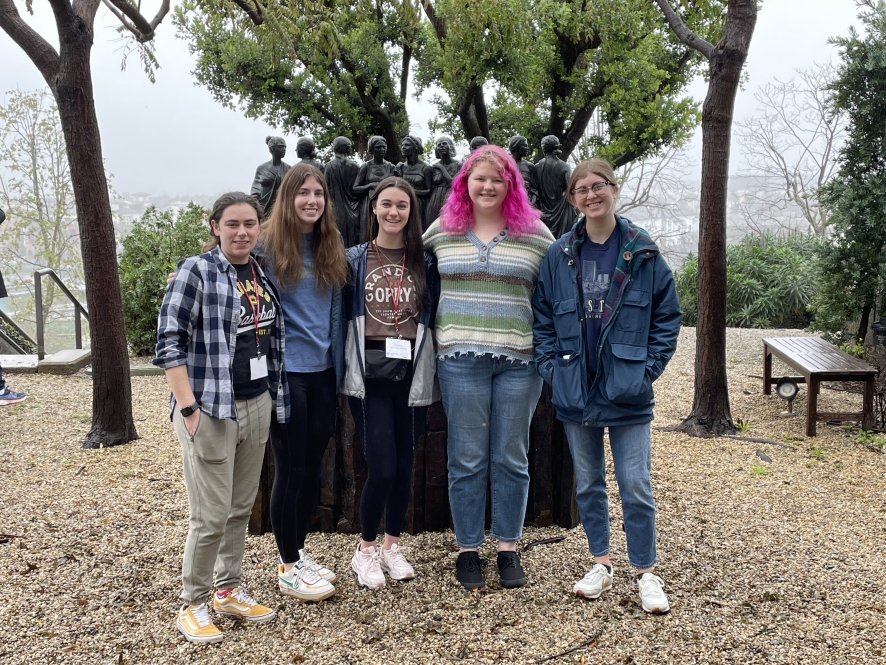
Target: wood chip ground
(764, 562)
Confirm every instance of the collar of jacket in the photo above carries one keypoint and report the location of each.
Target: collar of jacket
(633, 238)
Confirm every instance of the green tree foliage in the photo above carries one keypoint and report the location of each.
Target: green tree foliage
(341, 67)
(852, 261)
(37, 194)
(770, 282)
(157, 242)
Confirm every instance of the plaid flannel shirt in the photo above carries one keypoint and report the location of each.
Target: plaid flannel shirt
(197, 327)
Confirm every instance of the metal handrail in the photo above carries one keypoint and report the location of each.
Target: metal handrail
(12, 324)
(11, 342)
(38, 298)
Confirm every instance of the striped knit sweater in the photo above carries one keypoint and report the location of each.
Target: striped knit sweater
(486, 290)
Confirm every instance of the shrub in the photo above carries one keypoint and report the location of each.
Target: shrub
(770, 282)
(151, 250)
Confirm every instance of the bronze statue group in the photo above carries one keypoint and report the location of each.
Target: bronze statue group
(397, 286)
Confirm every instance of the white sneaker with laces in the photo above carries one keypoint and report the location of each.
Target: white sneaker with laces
(652, 595)
(366, 564)
(303, 583)
(594, 583)
(395, 564)
(322, 571)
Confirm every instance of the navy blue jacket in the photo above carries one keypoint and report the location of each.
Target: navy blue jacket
(641, 322)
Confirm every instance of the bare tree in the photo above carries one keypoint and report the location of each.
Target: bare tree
(68, 74)
(711, 413)
(791, 143)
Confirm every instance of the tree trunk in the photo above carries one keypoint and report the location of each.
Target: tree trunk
(112, 422)
(711, 414)
(864, 323)
(471, 109)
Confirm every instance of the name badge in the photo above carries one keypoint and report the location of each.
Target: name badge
(398, 348)
(258, 367)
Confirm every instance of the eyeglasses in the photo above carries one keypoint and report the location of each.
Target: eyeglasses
(597, 187)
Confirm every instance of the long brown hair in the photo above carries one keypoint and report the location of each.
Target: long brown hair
(284, 243)
(224, 202)
(415, 251)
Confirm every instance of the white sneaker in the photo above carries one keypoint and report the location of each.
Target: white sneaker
(303, 583)
(395, 564)
(652, 595)
(323, 572)
(366, 564)
(594, 583)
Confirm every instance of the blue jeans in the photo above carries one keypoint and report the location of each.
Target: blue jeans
(631, 456)
(489, 404)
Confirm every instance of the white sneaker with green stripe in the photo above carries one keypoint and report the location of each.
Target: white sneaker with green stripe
(303, 583)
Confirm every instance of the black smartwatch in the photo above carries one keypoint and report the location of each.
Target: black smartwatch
(188, 410)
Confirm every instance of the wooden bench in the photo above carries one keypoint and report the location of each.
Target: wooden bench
(819, 361)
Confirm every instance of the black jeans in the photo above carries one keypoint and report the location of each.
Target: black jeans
(389, 429)
(298, 451)
(2, 382)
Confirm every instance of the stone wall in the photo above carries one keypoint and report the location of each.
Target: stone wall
(343, 474)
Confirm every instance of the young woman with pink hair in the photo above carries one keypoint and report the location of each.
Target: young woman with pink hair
(489, 244)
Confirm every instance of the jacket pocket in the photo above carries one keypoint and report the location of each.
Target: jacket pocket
(567, 383)
(634, 313)
(627, 381)
(566, 319)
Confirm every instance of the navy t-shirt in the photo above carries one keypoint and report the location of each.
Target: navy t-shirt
(597, 266)
(244, 386)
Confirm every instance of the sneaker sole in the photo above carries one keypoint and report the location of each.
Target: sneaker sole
(363, 584)
(656, 610)
(197, 639)
(10, 402)
(589, 596)
(235, 615)
(513, 584)
(312, 598)
(472, 587)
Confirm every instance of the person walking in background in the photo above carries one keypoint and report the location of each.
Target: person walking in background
(220, 340)
(302, 253)
(390, 379)
(489, 244)
(7, 395)
(606, 324)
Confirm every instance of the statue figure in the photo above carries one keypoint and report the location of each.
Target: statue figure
(477, 141)
(416, 172)
(553, 180)
(442, 173)
(341, 172)
(518, 146)
(269, 175)
(368, 176)
(306, 151)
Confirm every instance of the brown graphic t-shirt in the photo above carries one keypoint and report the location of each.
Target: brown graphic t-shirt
(379, 295)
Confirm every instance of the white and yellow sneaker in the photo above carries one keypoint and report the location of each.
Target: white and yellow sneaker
(322, 571)
(237, 603)
(303, 583)
(194, 623)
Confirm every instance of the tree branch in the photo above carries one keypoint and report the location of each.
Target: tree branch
(253, 11)
(684, 34)
(41, 52)
(137, 24)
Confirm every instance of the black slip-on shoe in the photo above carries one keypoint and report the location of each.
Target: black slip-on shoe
(468, 571)
(510, 571)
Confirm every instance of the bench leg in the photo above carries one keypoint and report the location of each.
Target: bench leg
(867, 419)
(812, 406)
(767, 370)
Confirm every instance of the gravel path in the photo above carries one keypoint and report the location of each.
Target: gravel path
(775, 562)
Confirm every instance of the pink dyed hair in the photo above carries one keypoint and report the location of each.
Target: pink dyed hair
(457, 215)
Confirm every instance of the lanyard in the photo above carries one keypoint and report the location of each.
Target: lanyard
(251, 306)
(395, 294)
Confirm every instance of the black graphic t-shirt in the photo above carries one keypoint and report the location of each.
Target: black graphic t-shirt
(379, 288)
(244, 386)
(597, 266)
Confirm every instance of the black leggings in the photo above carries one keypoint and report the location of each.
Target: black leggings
(389, 430)
(298, 451)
